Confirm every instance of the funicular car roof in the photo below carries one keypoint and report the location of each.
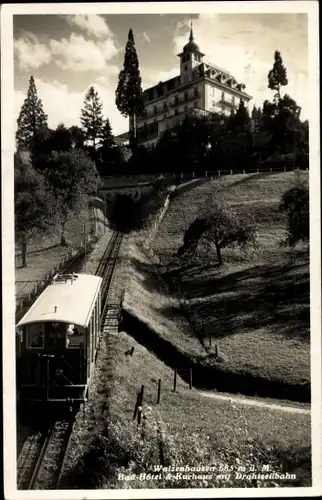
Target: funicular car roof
(71, 301)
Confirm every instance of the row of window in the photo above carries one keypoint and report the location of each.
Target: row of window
(176, 101)
(176, 112)
(56, 335)
(160, 90)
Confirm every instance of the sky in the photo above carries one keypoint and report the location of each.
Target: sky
(68, 53)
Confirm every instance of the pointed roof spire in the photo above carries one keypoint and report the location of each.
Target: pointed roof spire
(191, 46)
(191, 32)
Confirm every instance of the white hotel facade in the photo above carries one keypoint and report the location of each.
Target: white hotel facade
(199, 88)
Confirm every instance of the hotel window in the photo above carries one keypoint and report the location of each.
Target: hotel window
(186, 96)
(196, 104)
(196, 93)
(223, 96)
(176, 100)
(233, 100)
(176, 111)
(185, 67)
(186, 109)
(155, 110)
(165, 106)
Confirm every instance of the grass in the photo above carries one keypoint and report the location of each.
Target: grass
(256, 307)
(185, 429)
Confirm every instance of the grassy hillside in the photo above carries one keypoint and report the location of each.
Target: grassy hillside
(255, 308)
(184, 429)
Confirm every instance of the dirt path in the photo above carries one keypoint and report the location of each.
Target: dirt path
(252, 402)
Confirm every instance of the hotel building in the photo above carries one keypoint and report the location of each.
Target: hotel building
(200, 88)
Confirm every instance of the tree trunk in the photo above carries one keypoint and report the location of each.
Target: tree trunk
(24, 252)
(219, 255)
(132, 129)
(63, 241)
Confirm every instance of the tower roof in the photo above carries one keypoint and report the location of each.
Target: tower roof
(191, 46)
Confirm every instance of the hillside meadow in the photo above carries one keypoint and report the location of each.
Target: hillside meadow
(184, 429)
(255, 307)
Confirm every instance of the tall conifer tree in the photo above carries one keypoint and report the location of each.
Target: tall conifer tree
(32, 121)
(277, 75)
(107, 138)
(92, 117)
(129, 95)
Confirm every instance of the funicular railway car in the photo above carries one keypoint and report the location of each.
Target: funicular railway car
(57, 340)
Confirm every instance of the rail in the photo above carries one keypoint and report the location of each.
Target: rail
(42, 457)
(106, 268)
(41, 460)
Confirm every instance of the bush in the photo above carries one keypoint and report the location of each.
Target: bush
(295, 203)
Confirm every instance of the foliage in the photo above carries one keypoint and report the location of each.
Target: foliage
(107, 138)
(220, 229)
(240, 119)
(61, 139)
(71, 175)
(32, 119)
(35, 206)
(108, 156)
(77, 136)
(91, 117)
(186, 147)
(277, 75)
(281, 122)
(129, 95)
(236, 144)
(295, 203)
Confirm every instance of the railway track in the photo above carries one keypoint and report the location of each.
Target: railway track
(41, 460)
(106, 268)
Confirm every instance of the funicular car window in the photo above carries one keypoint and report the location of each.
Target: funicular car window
(35, 336)
(55, 333)
(76, 339)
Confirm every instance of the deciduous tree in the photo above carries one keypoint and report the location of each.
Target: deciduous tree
(71, 175)
(35, 206)
(220, 229)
